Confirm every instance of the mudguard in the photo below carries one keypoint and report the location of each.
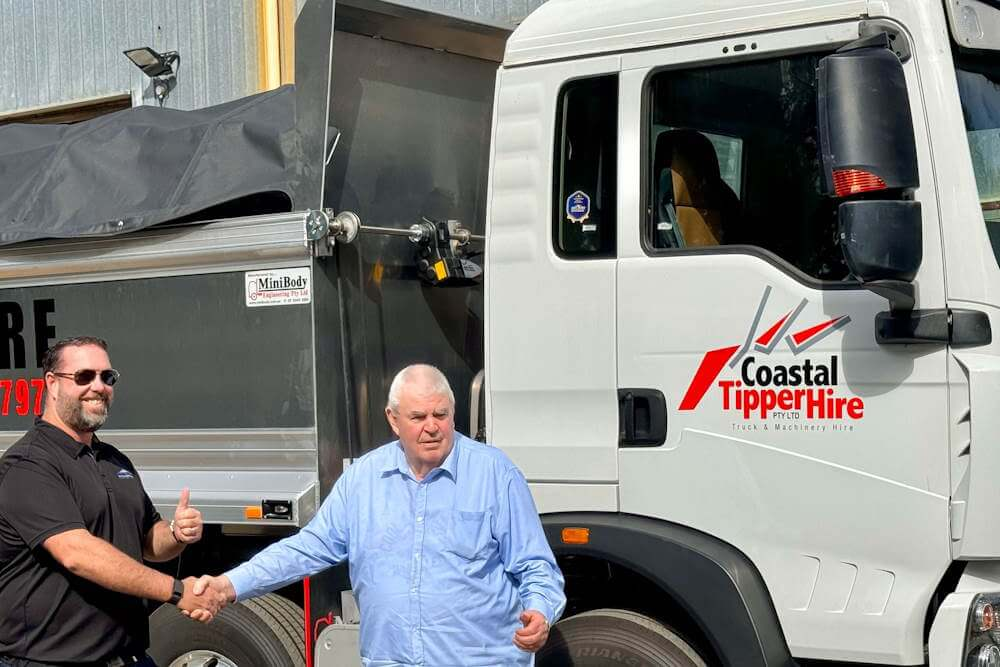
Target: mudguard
(713, 581)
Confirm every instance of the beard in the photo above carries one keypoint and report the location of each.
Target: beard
(75, 414)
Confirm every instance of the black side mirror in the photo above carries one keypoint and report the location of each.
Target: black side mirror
(868, 150)
(865, 126)
(867, 146)
(882, 242)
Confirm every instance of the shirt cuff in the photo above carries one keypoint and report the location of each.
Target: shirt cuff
(241, 580)
(539, 603)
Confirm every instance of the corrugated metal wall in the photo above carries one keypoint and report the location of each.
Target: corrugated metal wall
(504, 12)
(56, 51)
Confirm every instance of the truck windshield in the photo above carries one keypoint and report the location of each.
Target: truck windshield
(979, 90)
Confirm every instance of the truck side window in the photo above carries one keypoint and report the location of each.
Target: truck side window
(734, 160)
(586, 168)
(979, 91)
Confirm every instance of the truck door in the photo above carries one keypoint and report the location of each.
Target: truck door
(755, 403)
(551, 287)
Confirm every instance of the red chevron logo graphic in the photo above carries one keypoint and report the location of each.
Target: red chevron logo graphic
(804, 335)
(770, 334)
(711, 365)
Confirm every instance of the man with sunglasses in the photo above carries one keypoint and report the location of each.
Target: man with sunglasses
(75, 526)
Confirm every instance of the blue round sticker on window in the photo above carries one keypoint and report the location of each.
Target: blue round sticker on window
(578, 206)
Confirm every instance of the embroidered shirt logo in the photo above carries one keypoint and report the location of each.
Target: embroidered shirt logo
(124, 474)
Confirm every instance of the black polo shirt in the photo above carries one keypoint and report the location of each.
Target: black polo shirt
(50, 483)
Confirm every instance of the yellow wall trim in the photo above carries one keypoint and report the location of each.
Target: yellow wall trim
(275, 43)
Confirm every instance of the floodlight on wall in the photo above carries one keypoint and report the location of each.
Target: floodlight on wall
(157, 66)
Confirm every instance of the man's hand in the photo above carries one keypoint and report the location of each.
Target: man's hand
(535, 632)
(187, 520)
(219, 589)
(201, 606)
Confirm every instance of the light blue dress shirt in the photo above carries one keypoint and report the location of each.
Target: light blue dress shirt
(441, 568)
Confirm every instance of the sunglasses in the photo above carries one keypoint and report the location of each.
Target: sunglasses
(87, 375)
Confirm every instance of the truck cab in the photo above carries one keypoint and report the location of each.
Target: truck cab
(739, 310)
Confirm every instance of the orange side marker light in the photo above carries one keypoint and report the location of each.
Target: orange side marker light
(576, 535)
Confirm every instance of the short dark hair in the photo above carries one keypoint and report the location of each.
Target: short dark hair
(53, 355)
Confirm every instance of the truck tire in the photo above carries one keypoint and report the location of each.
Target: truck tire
(262, 632)
(615, 637)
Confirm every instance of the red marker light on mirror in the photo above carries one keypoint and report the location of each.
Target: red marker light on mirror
(853, 181)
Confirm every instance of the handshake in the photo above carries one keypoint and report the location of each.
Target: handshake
(205, 596)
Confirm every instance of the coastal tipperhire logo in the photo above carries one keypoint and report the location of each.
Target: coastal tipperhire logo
(807, 389)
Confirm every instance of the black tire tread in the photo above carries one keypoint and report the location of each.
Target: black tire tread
(645, 640)
(242, 627)
(284, 618)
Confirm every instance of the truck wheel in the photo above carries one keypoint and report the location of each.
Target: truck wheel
(615, 637)
(265, 631)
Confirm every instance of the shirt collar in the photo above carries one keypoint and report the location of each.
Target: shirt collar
(66, 442)
(450, 463)
(397, 462)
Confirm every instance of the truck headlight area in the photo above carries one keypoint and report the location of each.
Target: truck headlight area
(988, 655)
(966, 631)
(981, 642)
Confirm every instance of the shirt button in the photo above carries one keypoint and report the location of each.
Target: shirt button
(419, 519)
(416, 556)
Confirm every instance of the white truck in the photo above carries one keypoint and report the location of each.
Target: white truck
(741, 274)
(756, 361)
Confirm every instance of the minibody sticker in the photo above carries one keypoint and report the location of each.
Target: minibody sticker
(278, 287)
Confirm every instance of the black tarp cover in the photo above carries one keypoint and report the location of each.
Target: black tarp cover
(143, 166)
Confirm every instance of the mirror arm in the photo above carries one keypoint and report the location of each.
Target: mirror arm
(899, 293)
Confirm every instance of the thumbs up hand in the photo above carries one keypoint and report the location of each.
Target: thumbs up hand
(187, 525)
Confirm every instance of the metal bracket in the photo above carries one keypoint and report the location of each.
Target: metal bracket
(343, 227)
(317, 224)
(898, 42)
